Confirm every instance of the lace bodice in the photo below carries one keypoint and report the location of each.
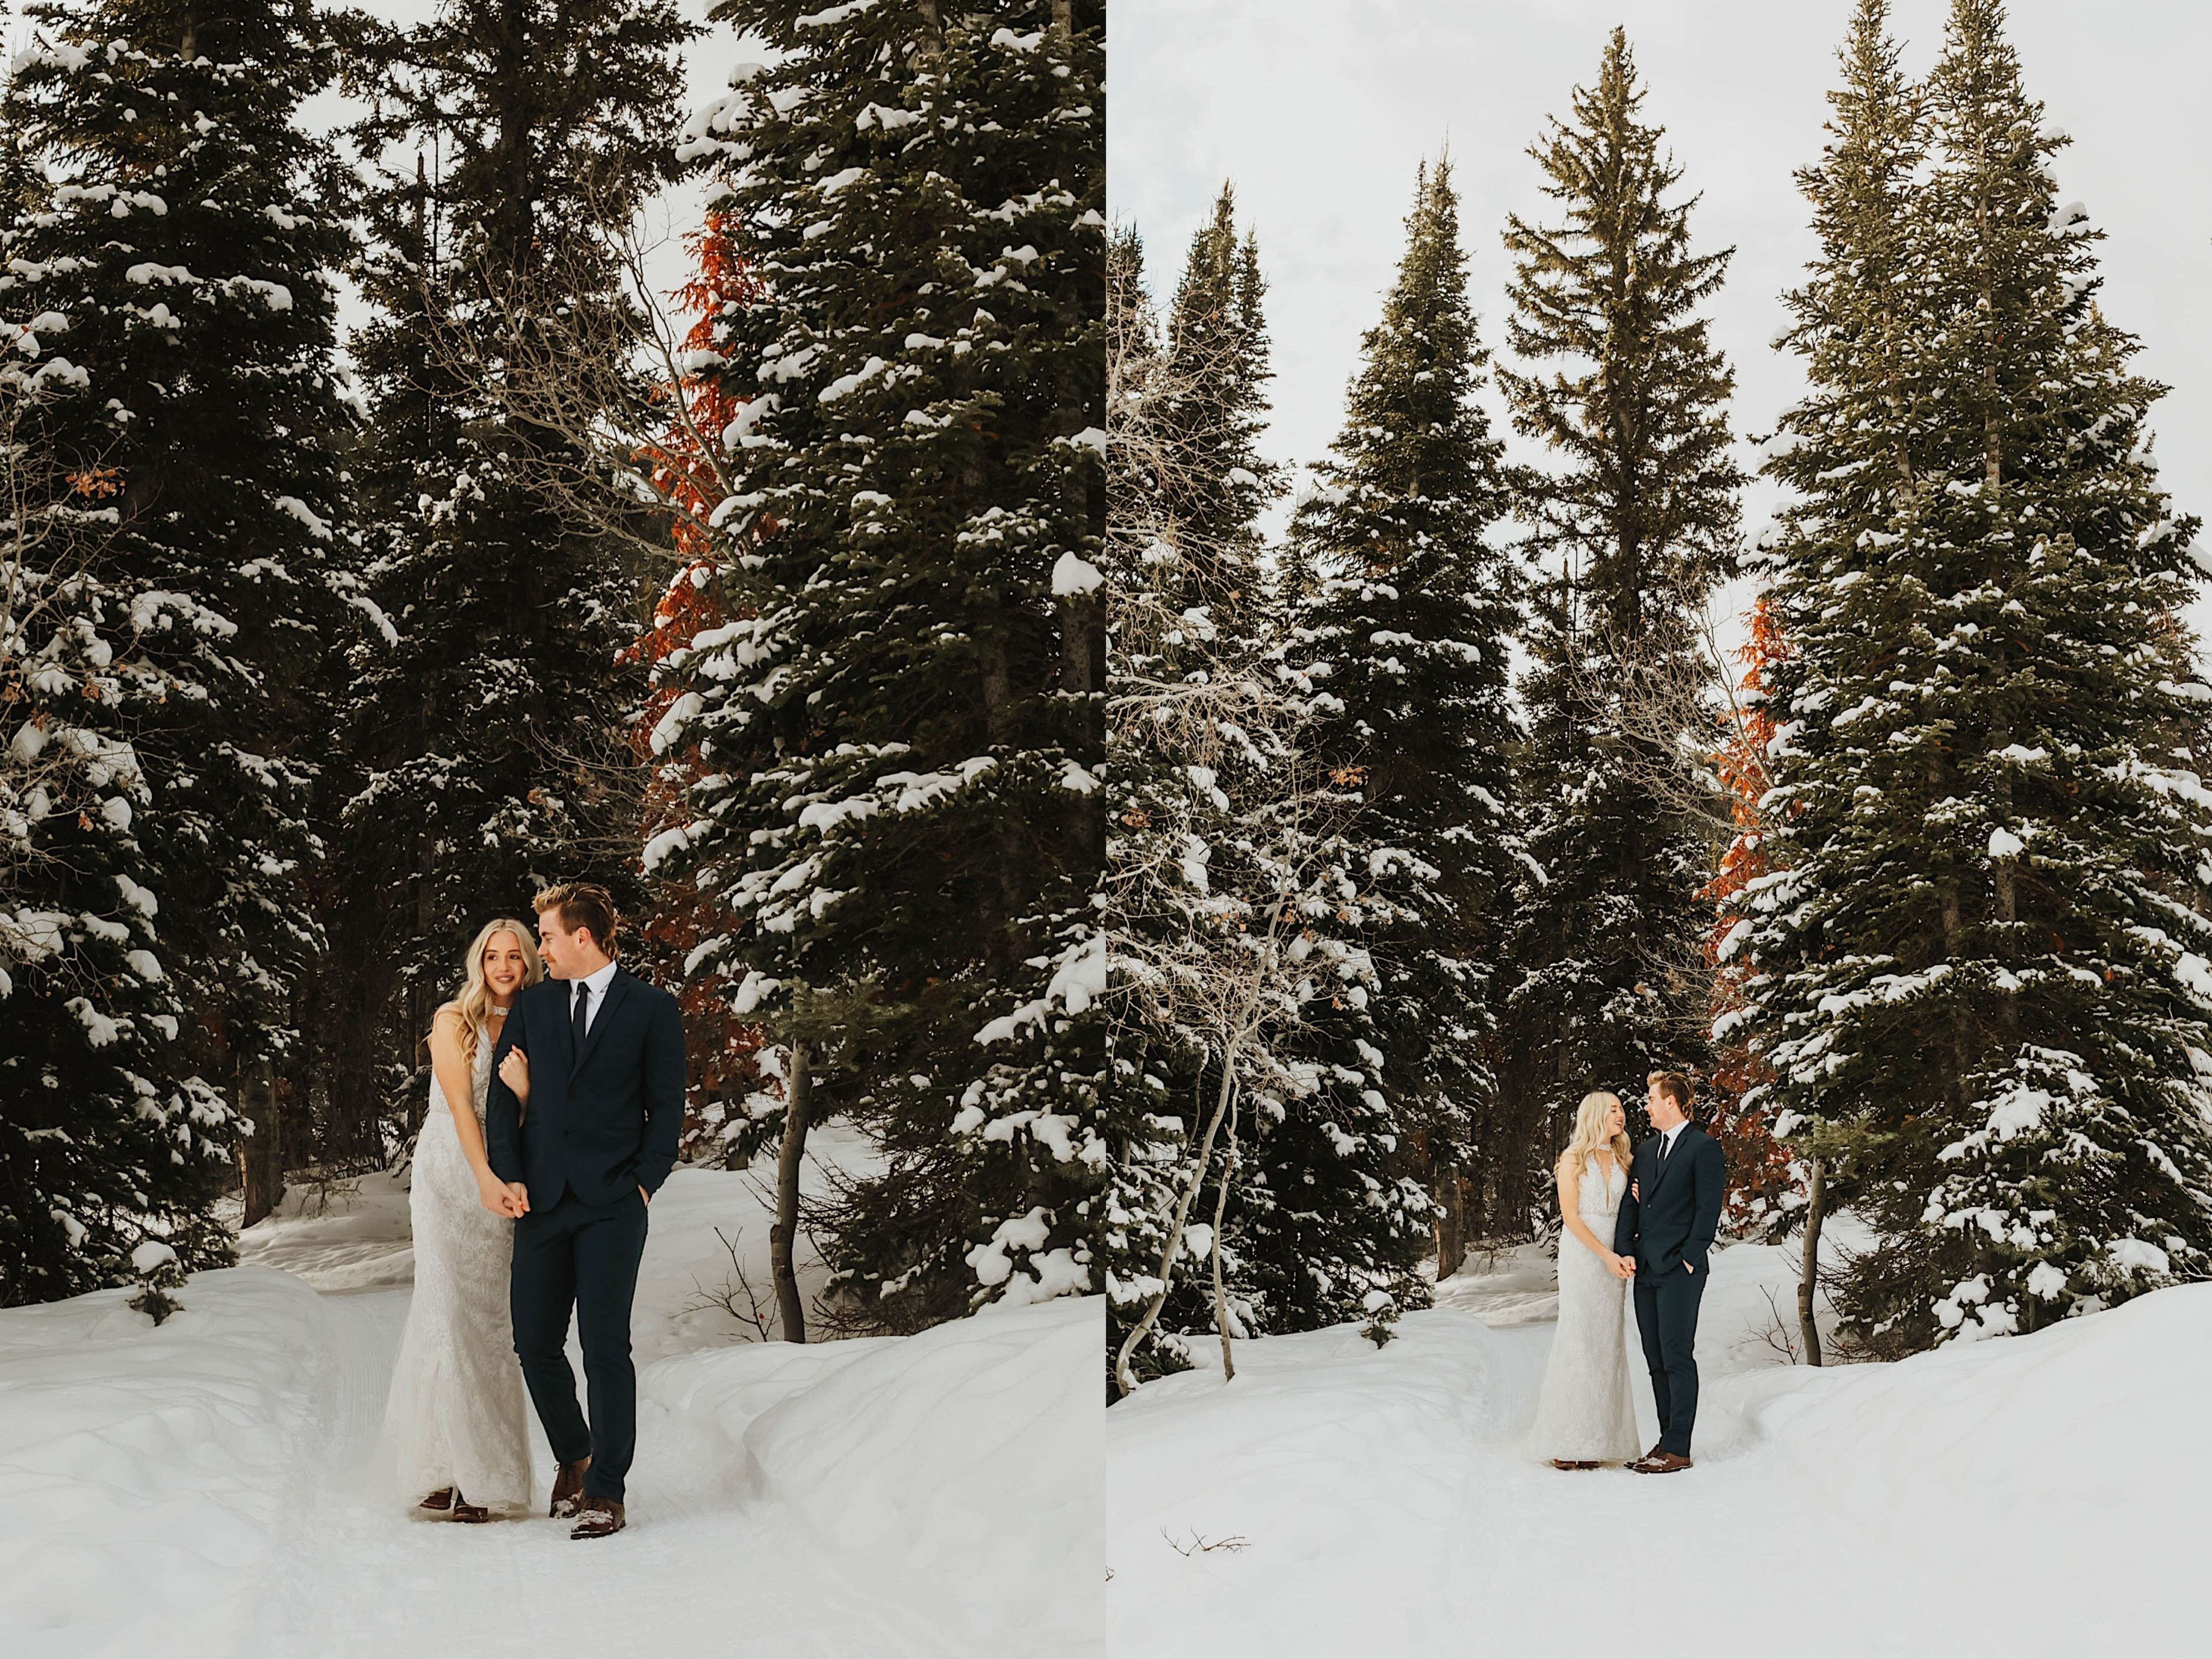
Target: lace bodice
(1600, 1193)
(480, 1078)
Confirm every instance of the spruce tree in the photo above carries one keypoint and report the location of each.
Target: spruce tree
(173, 213)
(1227, 832)
(1218, 370)
(1982, 972)
(1190, 626)
(511, 142)
(1630, 537)
(103, 1146)
(901, 718)
(1148, 568)
(1405, 631)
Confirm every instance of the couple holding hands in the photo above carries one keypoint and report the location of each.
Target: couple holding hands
(1646, 1218)
(557, 1102)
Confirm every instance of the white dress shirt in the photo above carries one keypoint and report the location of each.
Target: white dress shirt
(1667, 1138)
(599, 981)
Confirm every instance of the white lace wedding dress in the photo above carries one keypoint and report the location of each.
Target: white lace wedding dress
(457, 1414)
(1584, 1414)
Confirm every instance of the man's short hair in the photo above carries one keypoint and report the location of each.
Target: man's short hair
(582, 904)
(1675, 1086)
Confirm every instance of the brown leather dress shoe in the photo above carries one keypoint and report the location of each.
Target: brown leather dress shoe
(568, 1488)
(1661, 1462)
(596, 1518)
(440, 1500)
(464, 1510)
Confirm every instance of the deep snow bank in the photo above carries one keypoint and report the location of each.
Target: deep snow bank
(970, 1455)
(144, 1470)
(2035, 1496)
(961, 1466)
(2066, 1468)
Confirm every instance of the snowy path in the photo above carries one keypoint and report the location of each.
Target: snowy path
(202, 1490)
(693, 1574)
(2025, 1498)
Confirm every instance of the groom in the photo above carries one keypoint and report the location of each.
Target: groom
(602, 1064)
(1666, 1222)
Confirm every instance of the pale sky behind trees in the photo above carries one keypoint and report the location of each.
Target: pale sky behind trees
(1319, 110)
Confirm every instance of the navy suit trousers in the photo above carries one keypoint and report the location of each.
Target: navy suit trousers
(574, 1255)
(1667, 1320)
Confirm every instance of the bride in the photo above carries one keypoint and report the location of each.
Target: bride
(456, 1426)
(1583, 1417)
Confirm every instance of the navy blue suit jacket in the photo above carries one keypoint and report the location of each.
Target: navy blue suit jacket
(603, 1121)
(1674, 1221)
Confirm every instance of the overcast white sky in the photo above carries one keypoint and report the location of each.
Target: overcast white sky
(1319, 110)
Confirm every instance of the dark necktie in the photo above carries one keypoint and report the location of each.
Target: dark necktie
(576, 1014)
(1665, 1141)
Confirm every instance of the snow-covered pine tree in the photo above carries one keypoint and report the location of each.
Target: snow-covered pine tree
(1629, 538)
(512, 142)
(1158, 724)
(1218, 368)
(1405, 630)
(1224, 834)
(897, 713)
(102, 1145)
(1188, 642)
(1850, 454)
(1985, 962)
(179, 220)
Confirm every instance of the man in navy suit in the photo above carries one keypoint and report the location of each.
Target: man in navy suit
(581, 1123)
(1666, 1222)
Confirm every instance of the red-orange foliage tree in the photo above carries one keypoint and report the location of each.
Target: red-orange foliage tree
(1759, 1176)
(724, 1049)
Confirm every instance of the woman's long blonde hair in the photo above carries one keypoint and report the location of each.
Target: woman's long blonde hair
(474, 1003)
(1590, 1137)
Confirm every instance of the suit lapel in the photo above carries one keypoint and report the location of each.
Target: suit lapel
(1662, 1167)
(617, 988)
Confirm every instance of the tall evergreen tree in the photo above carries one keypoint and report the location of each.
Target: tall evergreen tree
(1405, 630)
(514, 140)
(1982, 972)
(901, 719)
(1267, 1172)
(1630, 537)
(1218, 370)
(177, 221)
(1153, 574)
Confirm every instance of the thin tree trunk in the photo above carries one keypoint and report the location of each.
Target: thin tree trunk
(261, 1163)
(1220, 1206)
(1808, 1272)
(1123, 1378)
(799, 1091)
(1451, 1222)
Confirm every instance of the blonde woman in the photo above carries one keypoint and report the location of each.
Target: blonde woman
(1583, 1417)
(456, 1424)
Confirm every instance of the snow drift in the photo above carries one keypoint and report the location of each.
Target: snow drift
(142, 1470)
(199, 1490)
(2034, 1496)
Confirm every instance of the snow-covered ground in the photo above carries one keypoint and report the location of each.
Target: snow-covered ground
(200, 1489)
(2039, 1496)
